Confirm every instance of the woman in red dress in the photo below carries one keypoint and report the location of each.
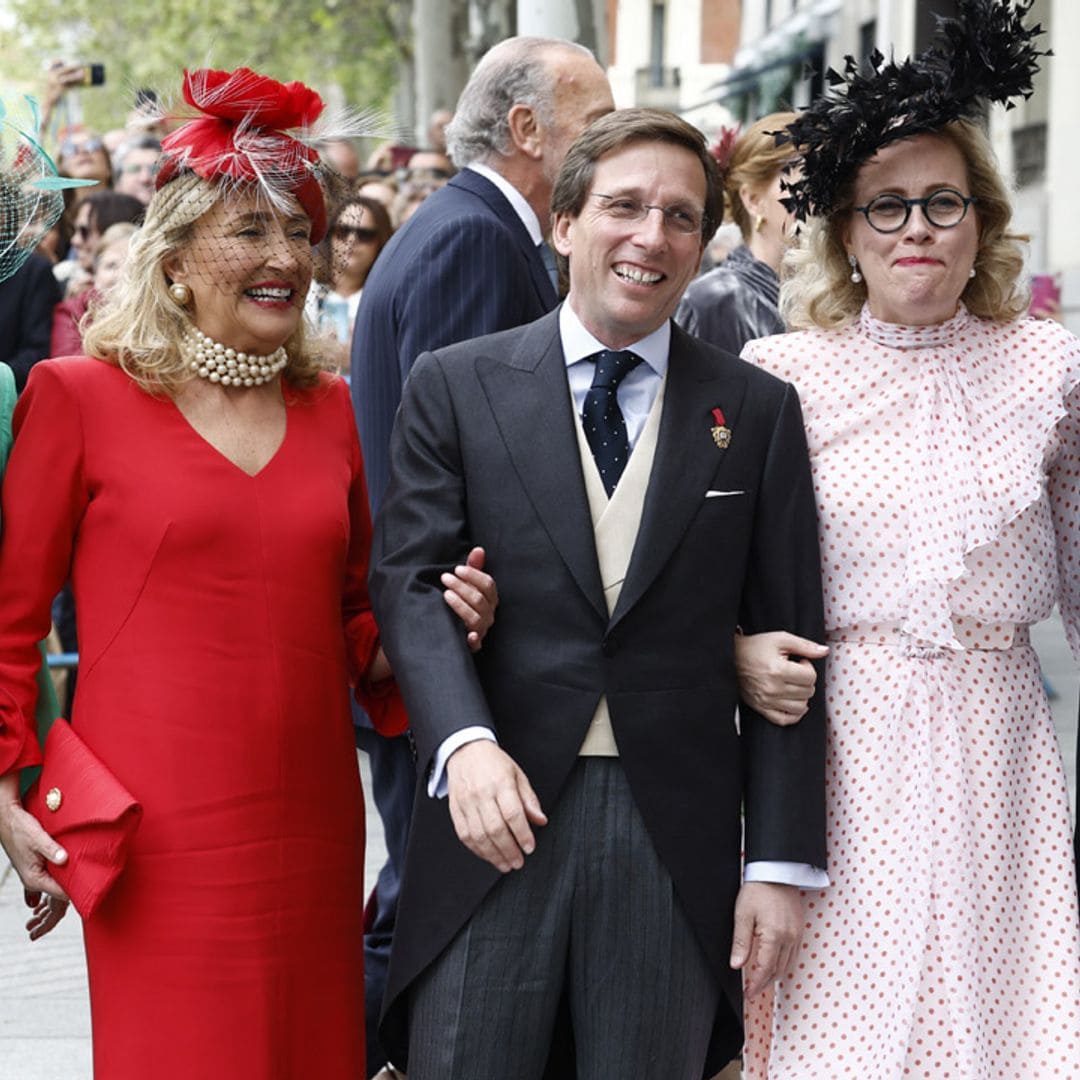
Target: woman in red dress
(200, 481)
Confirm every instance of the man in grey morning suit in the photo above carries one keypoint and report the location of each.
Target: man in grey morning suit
(589, 846)
(468, 262)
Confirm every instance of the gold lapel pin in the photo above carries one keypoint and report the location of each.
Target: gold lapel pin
(721, 433)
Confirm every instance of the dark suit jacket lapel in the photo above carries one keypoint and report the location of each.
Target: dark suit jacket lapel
(470, 180)
(530, 400)
(686, 459)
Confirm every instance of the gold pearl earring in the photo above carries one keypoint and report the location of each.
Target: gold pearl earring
(856, 277)
(180, 293)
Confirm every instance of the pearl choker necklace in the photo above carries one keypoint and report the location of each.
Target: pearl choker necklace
(211, 360)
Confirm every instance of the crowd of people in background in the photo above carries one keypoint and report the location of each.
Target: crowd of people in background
(86, 254)
(734, 299)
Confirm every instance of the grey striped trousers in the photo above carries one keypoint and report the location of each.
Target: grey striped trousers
(593, 910)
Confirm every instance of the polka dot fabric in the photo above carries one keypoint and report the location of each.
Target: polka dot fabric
(602, 419)
(946, 463)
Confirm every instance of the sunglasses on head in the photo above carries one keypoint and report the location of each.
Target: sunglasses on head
(364, 235)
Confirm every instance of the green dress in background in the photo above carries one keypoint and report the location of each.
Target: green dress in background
(48, 708)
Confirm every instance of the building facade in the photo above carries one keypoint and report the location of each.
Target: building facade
(722, 61)
(672, 54)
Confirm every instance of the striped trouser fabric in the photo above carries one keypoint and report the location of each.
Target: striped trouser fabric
(593, 910)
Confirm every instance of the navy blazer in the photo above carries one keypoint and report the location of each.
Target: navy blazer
(27, 299)
(462, 266)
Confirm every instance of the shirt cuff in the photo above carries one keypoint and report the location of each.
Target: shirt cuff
(802, 875)
(437, 783)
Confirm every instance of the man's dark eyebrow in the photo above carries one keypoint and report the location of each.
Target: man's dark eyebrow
(632, 193)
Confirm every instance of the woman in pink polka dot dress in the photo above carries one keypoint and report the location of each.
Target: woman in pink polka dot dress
(944, 432)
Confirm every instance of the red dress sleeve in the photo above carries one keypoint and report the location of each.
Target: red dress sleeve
(44, 496)
(381, 701)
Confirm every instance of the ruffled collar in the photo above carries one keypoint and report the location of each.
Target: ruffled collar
(896, 336)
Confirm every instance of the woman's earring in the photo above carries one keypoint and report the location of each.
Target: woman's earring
(759, 222)
(971, 272)
(180, 293)
(856, 277)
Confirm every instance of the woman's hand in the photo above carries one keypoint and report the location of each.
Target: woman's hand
(471, 594)
(48, 911)
(58, 79)
(31, 850)
(776, 677)
(473, 597)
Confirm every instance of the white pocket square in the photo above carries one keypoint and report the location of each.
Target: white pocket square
(721, 494)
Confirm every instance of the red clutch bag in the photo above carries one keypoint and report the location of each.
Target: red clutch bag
(86, 810)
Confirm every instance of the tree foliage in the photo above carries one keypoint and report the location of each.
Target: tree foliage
(348, 49)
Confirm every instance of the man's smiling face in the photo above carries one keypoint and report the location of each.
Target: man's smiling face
(627, 275)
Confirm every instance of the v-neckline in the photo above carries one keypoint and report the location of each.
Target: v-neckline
(221, 453)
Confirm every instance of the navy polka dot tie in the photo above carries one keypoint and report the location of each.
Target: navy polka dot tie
(605, 428)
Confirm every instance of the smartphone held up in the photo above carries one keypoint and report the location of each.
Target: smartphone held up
(77, 73)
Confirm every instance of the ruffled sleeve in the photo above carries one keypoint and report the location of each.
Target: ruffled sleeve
(44, 497)
(934, 451)
(382, 700)
(1063, 488)
(990, 398)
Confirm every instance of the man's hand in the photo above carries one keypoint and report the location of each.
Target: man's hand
(768, 929)
(492, 804)
(473, 596)
(776, 677)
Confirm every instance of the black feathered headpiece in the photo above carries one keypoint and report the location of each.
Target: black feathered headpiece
(985, 54)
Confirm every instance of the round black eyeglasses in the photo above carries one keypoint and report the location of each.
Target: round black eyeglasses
(944, 209)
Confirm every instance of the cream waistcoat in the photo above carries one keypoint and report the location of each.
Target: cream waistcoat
(615, 527)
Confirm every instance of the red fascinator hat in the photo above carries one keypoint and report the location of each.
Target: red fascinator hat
(243, 136)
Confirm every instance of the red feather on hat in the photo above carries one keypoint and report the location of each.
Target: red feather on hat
(242, 136)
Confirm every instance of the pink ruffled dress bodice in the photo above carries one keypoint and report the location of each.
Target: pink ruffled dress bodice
(933, 451)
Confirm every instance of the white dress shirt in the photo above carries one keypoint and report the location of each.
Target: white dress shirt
(514, 198)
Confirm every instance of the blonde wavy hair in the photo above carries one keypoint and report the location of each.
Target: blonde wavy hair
(755, 160)
(817, 290)
(140, 327)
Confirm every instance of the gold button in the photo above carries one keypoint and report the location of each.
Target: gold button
(53, 799)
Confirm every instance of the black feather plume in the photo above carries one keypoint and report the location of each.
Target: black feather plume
(984, 54)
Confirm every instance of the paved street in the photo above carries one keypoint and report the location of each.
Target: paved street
(44, 1012)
